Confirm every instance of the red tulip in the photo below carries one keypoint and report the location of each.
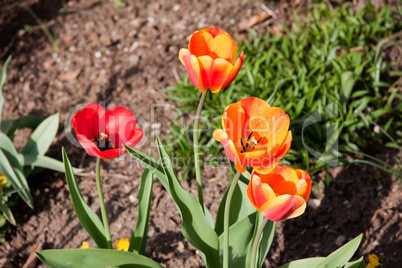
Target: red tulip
(102, 134)
(280, 194)
(209, 59)
(254, 134)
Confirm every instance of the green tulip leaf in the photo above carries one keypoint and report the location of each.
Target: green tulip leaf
(342, 255)
(88, 219)
(11, 168)
(44, 162)
(42, 137)
(304, 263)
(6, 212)
(94, 258)
(9, 126)
(241, 207)
(149, 163)
(195, 227)
(266, 239)
(139, 236)
(2, 79)
(356, 264)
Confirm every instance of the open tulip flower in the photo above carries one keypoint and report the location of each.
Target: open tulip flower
(209, 59)
(280, 194)
(254, 134)
(102, 133)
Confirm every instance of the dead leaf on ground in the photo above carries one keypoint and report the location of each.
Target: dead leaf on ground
(255, 20)
(32, 259)
(70, 75)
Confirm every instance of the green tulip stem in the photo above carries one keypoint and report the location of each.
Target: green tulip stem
(257, 239)
(196, 152)
(226, 220)
(102, 204)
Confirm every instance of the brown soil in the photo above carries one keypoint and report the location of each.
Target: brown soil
(124, 56)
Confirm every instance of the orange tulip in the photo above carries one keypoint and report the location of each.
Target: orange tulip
(280, 194)
(254, 134)
(209, 59)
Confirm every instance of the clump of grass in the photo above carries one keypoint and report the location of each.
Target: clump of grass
(327, 75)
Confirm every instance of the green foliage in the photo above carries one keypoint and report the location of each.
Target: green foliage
(197, 226)
(339, 258)
(88, 218)
(328, 74)
(17, 166)
(138, 238)
(94, 258)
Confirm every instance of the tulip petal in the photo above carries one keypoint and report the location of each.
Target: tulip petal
(193, 71)
(89, 146)
(224, 47)
(220, 71)
(303, 176)
(182, 53)
(87, 121)
(259, 193)
(297, 209)
(113, 153)
(233, 123)
(235, 70)
(278, 207)
(272, 123)
(138, 134)
(201, 44)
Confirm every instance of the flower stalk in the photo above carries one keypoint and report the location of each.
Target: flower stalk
(257, 239)
(226, 218)
(196, 152)
(102, 204)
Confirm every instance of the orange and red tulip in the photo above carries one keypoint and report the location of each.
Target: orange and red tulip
(280, 194)
(254, 134)
(209, 59)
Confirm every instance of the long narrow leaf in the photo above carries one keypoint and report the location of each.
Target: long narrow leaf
(139, 236)
(149, 163)
(42, 137)
(195, 226)
(44, 162)
(2, 79)
(304, 263)
(6, 211)
(342, 255)
(89, 220)
(94, 258)
(240, 241)
(11, 168)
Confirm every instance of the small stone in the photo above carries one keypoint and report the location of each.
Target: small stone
(176, 7)
(98, 54)
(314, 203)
(180, 246)
(132, 198)
(339, 240)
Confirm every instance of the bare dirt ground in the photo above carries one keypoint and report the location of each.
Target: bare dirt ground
(123, 57)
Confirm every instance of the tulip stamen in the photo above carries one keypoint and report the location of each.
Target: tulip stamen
(251, 141)
(103, 142)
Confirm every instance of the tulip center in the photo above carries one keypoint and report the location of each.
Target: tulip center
(248, 144)
(103, 142)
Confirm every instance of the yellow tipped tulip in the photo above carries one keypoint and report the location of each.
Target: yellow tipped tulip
(280, 194)
(254, 134)
(209, 59)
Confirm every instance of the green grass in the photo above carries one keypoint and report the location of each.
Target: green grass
(330, 65)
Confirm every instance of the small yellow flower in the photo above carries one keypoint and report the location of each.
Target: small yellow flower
(373, 261)
(84, 244)
(123, 244)
(3, 181)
